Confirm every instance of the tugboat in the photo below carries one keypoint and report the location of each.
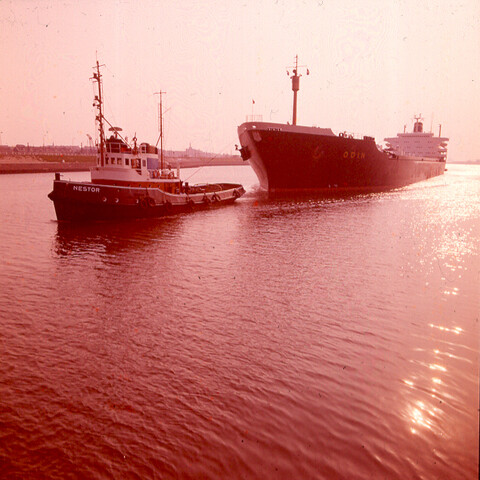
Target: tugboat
(292, 158)
(132, 181)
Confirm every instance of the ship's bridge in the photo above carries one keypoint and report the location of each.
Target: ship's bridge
(418, 143)
(116, 145)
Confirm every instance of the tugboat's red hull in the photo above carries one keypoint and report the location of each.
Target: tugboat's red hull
(288, 158)
(86, 202)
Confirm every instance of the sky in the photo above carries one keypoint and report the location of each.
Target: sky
(373, 64)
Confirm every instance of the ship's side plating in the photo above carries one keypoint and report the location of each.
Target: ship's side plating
(295, 158)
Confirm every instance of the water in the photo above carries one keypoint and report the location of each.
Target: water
(300, 338)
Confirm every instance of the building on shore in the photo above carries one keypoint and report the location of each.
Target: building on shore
(19, 149)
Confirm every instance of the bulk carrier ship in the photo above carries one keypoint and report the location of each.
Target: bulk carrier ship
(292, 158)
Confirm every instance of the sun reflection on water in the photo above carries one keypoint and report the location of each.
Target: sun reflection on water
(437, 367)
(423, 414)
(420, 416)
(456, 330)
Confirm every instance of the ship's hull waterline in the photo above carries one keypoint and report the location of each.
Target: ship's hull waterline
(289, 158)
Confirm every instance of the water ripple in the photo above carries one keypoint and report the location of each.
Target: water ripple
(279, 338)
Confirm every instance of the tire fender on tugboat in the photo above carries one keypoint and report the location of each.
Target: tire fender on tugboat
(147, 202)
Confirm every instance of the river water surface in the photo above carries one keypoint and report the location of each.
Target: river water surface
(275, 338)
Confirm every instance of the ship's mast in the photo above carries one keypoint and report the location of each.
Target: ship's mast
(160, 127)
(98, 102)
(296, 86)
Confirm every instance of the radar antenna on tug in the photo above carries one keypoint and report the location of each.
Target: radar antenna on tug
(115, 130)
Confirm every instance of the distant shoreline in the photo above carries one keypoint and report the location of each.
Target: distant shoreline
(83, 163)
(476, 162)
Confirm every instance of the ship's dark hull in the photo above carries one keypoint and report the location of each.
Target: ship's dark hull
(288, 158)
(85, 202)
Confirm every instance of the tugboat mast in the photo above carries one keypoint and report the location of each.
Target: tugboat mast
(97, 77)
(160, 127)
(296, 86)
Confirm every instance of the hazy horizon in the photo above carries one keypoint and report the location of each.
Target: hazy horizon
(373, 66)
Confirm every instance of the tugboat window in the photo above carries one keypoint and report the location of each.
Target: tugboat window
(127, 161)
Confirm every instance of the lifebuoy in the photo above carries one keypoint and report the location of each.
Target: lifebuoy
(170, 175)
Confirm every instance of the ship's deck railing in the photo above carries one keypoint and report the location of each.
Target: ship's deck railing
(354, 135)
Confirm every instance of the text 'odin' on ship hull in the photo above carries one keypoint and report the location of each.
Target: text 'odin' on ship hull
(295, 158)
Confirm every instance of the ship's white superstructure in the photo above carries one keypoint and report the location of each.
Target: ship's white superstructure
(418, 143)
